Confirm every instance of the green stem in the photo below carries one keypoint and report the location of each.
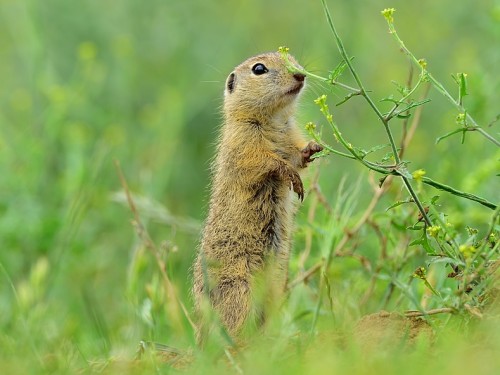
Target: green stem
(390, 115)
(485, 134)
(449, 189)
(351, 149)
(439, 86)
(384, 120)
(294, 69)
(349, 64)
(417, 201)
(494, 221)
(333, 151)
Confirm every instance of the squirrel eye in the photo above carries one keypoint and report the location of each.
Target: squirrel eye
(259, 69)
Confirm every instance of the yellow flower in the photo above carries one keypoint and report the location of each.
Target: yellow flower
(460, 119)
(467, 250)
(422, 63)
(321, 100)
(433, 230)
(387, 13)
(310, 126)
(418, 174)
(283, 49)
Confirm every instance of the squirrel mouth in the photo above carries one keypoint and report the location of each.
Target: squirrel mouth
(296, 89)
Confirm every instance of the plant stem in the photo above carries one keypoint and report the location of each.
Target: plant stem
(382, 118)
(442, 310)
(400, 101)
(472, 197)
(485, 134)
(494, 220)
(143, 234)
(416, 200)
(457, 104)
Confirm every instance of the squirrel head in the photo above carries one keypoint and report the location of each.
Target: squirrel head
(262, 86)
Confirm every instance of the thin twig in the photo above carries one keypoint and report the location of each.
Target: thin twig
(405, 141)
(148, 242)
(442, 310)
(233, 362)
(310, 219)
(438, 85)
(449, 189)
(305, 275)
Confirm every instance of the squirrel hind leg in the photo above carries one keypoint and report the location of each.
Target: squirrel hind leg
(233, 301)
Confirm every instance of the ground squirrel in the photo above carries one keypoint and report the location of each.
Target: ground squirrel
(250, 219)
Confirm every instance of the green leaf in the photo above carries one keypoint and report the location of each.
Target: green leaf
(398, 203)
(439, 139)
(463, 84)
(461, 80)
(390, 99)
(411, 105)
(428, 285)
(335, 73)
(360, 152)
(403, 90)
(440, 259)
(387, 157)
(426, 245)
(378, 147)
(346, 98)
(418, 241)
(416, 226)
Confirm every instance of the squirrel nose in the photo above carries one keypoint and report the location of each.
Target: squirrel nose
(299, 77)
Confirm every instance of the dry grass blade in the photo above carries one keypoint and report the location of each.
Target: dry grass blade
(148, 242)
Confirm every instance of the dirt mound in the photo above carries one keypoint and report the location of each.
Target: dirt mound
(385, 329)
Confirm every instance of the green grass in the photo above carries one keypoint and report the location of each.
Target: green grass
(85, 83)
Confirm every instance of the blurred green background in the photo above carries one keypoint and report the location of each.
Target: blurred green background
(87, 82)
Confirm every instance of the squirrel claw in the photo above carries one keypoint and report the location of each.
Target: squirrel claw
(308, 151)
(297, 185)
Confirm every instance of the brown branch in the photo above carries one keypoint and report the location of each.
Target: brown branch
(443, 310)
(305, 275)
(371, 288)
(414, 124)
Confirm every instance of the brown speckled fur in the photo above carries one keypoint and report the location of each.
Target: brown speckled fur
(255, 183)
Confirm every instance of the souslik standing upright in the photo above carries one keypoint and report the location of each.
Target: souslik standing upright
(249, 225)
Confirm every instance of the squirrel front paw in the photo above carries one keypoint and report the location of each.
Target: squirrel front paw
(286, 173)
(297, 185)
(308, 151)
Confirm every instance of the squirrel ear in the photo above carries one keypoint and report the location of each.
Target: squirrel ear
(230, 82)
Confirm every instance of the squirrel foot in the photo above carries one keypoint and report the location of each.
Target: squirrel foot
(308, 151)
